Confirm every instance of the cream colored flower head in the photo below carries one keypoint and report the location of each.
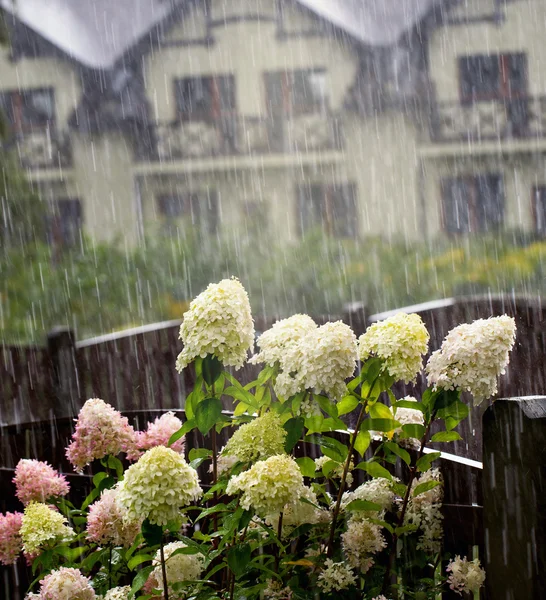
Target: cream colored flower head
(158, 486)
(362, 540)
(42, 525)
(425, 512)
(261, 438)
(473, 356)
(269, 485)
(66, 584)
(118, 593)
(275, 342)
(465, 576)
(335, 577)
(378, 491)
(302, 511)
(218, 323)
(400, 342)
(320, 361)
(179, 567)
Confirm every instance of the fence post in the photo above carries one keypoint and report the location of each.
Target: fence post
(64, 372)
(355, 315)
(514, 498)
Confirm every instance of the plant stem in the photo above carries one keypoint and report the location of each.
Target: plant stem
(343, 479)
(110, 569)
(164, 571)
(405, 502)
(278, 550)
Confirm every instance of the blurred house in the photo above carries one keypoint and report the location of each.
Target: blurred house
(398, 117)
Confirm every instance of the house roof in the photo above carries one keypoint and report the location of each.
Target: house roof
(97, 33)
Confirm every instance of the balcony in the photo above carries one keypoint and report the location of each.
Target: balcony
(517, 119)
(240, 136)
(41, 149)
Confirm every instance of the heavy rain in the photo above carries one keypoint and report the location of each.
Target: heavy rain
(350, 160)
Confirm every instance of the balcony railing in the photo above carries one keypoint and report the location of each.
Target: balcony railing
(508, 119)
(41, 149)
(241, 136)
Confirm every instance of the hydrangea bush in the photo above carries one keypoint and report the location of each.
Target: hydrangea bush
(270, 523)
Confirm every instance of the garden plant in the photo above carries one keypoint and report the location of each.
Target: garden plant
(270, 522)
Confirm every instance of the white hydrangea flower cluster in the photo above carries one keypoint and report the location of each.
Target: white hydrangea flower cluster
(361, 540)
(66, 584)
(218, 323)
(118, 593)
(261, 438)
(158, 486)
(465, 575)
(180, 567)
(337, 471)
(400, 342)
(320, 361)
(42, 525)
(335, 577)
(425, 512)
(377, 490)
(299, 512)
(275, 591)
(275, 342)
(269, 485)
(224, 463)
(473, 356)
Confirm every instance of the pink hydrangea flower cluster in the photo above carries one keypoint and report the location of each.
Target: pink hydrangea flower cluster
(11, 544)
(66, 584)
(100, 431)
(106, 523)
(36, 481)
(158, 434)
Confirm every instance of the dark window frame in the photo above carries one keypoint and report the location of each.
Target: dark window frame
(538, 197)
(505, 89)
(333, 198)
(190, 205)
(65, 222)
(483, 214)
(14, 114)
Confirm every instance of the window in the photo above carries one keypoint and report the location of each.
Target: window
(28, 109)
(473, 204)
(296, 92)
(539, 208)
(493, 77)
(65, 223)
(331, 208)
(198, 209)
(205, 98)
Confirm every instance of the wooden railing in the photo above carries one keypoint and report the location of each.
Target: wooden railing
(41, 149)
(516, 118)
(239, 135)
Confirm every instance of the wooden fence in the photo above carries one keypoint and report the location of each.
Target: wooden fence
(134, 371)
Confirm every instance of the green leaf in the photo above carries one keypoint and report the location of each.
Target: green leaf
(347, 405)
(99, 477)
(425, 487)
(409, 404)
(425, 462)
(454, 414)
(207, 413)
(445, 398)
(362, 505)
(379, 425)
(446, 436)
(405, 529)
(395, 449)
(193, 399)
(327, 406)
(329, 466)
(314, 424)
(141, 578)
(212, 369)
(152, 533)
(186, 428)
(307, 466)
(138, 560)
(331, 447)
(413, 430)
(238, 558)
(199, 453)
(294, 428)
(116, 464)
(362, 442)
(239, 393)
(380, 411)
(374, 469)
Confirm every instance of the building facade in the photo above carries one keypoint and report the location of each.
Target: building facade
(222, 115)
